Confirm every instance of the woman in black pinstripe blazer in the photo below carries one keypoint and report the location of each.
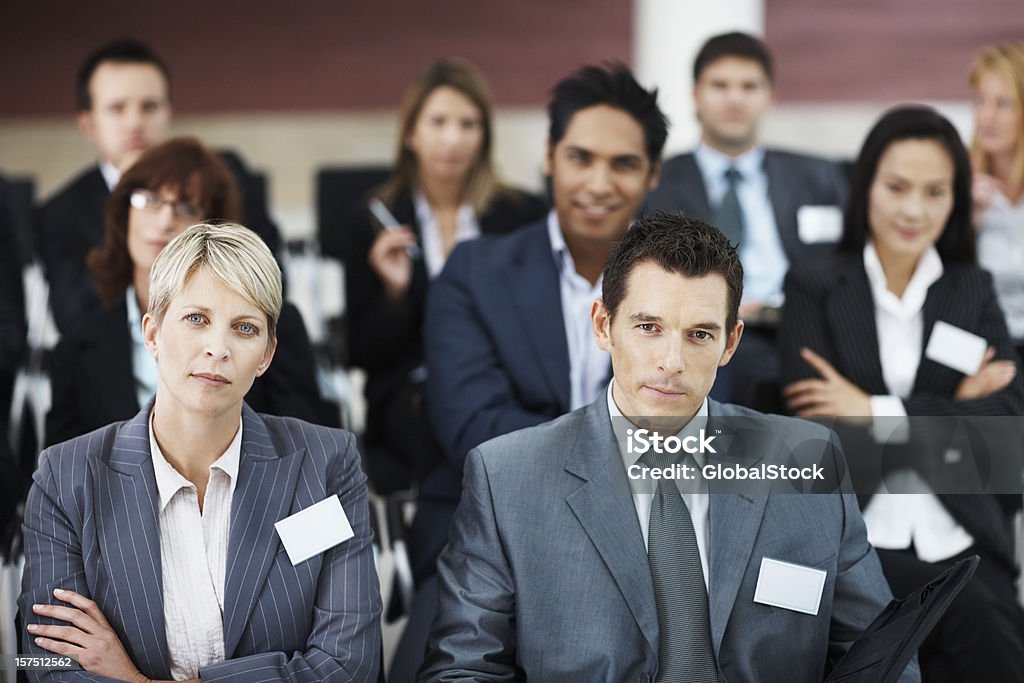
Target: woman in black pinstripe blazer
(852, 340)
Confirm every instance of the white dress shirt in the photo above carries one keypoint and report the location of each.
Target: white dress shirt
(466, 228)
(111, 176)
(764, 260)
(895, 520)
(1001, 252)
(694, 493)
(589, 365)
(193, 554)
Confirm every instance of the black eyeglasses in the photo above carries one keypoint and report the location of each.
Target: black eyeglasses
(144, 200)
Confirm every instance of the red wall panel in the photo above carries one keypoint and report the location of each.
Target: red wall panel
(883, 49)
(269, 55)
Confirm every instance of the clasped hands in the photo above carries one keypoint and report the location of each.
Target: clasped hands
(832, 395)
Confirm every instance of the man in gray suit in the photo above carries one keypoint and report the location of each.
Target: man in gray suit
(780, 207)
(567, 562)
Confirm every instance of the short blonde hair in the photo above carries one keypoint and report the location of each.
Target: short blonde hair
(231, 253)
(1007, 60)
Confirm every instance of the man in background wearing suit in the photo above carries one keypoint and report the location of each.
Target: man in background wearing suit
(507, 324)
(561, 568)
(780, 207)
(123, 95)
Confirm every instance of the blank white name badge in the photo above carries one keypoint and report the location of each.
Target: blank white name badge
(956, 348)
(816, 224)
(791, 586)
(314, 530)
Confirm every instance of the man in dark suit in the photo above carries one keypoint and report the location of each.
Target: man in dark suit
(567, 564)
(124, 108)
(506, 330)
(780, 207)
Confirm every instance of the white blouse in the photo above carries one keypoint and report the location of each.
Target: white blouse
(193, 555)
(897, 520)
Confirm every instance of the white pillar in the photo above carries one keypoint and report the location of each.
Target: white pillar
(666, 37)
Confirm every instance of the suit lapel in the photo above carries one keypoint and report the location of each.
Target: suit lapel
(263, 495)
(404, 212)
(98, 195)
(780, 194)
(734, 521)
(532, 282)
(929, 373)
(603, 504)
(688, 184)
(851, 313)
(129, 497)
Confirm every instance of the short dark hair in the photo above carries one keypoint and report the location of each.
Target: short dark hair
(680, 244)
(912, 123)
(119, 52)
(612, 85)
(735, 44)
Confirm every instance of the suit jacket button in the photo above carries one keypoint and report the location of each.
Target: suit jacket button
(643, 678)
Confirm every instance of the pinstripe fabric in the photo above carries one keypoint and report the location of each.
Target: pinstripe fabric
(91, 526)
(830, 309)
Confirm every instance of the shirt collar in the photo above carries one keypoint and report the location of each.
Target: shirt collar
(714, 163)
(111, 176)
(929, 269)
(558, 245)
(169, 481)
(620, 424)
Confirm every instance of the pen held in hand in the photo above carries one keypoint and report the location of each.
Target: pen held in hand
(389, 222)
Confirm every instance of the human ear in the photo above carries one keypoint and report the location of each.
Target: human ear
(732, 343)
(601, 323)
(149, 330)
(268, 356)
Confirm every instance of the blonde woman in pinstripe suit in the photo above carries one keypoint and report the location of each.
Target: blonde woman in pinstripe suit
(150, 545)
(853, 336)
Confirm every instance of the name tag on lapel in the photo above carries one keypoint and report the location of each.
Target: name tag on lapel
(314, 530)
(790, 586)
(956, 348)
(816, 224)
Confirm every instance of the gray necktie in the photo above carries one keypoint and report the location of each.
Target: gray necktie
(684, 643)
(729, 217)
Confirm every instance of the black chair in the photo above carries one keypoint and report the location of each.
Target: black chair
(339, 189)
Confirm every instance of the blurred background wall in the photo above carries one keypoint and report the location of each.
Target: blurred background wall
(295, 86)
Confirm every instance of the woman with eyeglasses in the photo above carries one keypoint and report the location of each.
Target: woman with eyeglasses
(100, 372)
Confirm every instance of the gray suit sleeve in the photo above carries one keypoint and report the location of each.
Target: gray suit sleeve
(473, 637)
(53, 559)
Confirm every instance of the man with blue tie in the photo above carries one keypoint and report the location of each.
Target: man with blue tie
(779, 207)
(567, 563)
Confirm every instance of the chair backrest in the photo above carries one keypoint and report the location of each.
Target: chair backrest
(338, 190)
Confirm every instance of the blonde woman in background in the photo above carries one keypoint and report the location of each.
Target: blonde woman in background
(997, 154)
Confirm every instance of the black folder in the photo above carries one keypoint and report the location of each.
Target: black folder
(885, 648)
